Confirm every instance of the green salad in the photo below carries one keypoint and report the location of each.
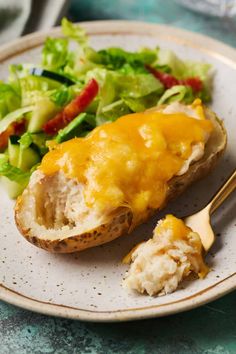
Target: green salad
(76, 88)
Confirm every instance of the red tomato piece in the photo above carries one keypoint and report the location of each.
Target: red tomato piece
(166, 79)
(75, 107)
(16, 128)
(194, 82)
(169, 80)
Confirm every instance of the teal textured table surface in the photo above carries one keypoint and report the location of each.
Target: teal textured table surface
(210, 329)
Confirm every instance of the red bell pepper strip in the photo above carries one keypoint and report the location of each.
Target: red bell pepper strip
(193, 82)
(16, 128)
(169, 80)
(75, 107)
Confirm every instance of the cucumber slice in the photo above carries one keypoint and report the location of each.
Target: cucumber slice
(14, 140)
(44, 110)
(24, 159)
(70, 130)
(20, 157)
(36, 141)
(79, 126)
(39, 143)
(51, 75)
(13, 150)
(27, 159)
(13, 188)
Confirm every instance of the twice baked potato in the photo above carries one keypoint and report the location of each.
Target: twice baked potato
(77, 200)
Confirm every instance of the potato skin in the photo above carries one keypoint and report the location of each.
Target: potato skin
(119, 222)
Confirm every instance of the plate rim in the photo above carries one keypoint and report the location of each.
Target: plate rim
(198, 41)
(204, 296)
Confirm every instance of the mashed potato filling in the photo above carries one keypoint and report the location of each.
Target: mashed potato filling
(130, 161)
(159, 264)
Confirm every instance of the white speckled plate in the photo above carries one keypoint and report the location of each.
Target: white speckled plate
(87, 285)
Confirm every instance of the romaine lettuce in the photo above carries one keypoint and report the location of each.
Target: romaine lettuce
(178, 93)
(182, 69)
(9, 99)
(55, 53)
(113, 111)
(62, 96)
(140, 104)
(138, 85)
(115, 86)
(35, 140)
(74, 32)
(117, 58)
(13, 173)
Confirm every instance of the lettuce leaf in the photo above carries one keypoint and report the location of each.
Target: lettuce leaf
(113, 111)
(71, 66)
(65, 94)
(182, 69)
(25, 140)
(115, 86)
(3, 158)
(125, 85)
(35, 140)
(55, 54)
(13, 178)
(13, 173)
(138, 85)
(38, 83)
(118, 58)
(140, 104)
(62, 96)
(16, 72)
(74, 32)
(9, 99)
(108, 89)
(178, 93)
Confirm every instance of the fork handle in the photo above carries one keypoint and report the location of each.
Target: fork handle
(227, 188)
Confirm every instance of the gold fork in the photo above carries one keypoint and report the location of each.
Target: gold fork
(200, 222)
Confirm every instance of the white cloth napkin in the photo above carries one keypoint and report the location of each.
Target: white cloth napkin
(19, 17)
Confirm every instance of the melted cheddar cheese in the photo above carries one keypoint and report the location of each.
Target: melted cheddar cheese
(130, 161)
